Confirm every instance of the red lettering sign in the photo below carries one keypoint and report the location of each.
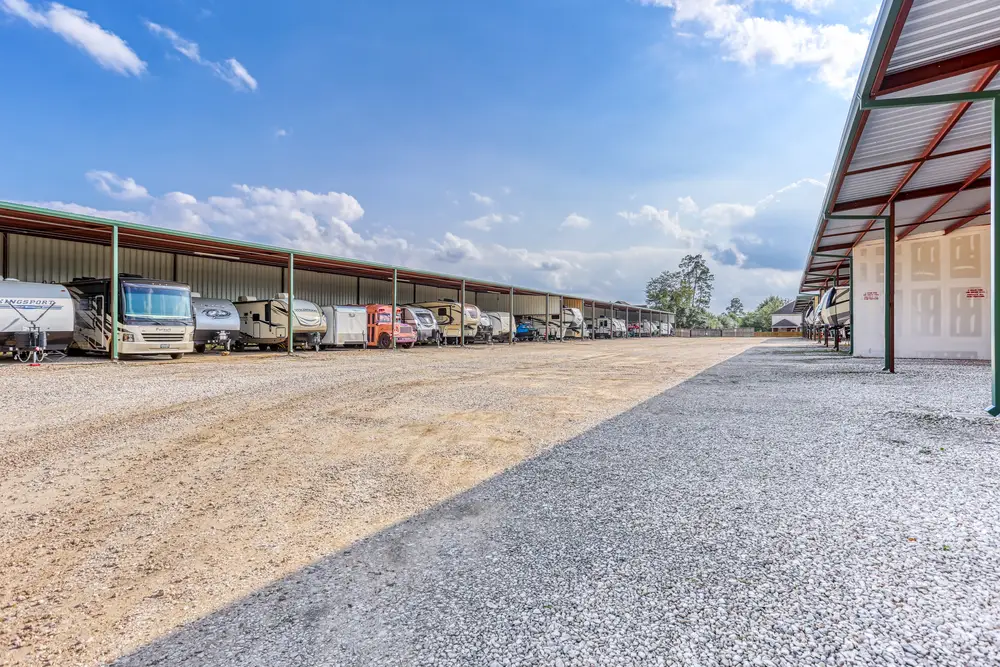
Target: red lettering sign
(975, 293)
(871, 296)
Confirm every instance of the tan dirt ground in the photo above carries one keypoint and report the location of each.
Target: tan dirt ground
(137, 497)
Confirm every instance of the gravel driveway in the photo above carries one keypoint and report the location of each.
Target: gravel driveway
(787, 507)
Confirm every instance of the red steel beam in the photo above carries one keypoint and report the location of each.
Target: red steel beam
(936, 156)
(943, 69)
(890, 48)
(941, 203)
(920, 193)
(982, 210)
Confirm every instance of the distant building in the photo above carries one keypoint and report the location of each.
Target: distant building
(786, 319)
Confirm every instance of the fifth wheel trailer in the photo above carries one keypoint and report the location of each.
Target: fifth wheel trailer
(34, 316)
(264, 322)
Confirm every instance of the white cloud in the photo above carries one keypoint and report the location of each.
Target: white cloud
(116, 187)
(75, 27)
(833, 52)
(575, 221)
(453, 249)
(231, 70)
(486, 222)
(870, 19)
(481, 199)
(281, 132)
(667, 222)
(78, 209)
(811, 6)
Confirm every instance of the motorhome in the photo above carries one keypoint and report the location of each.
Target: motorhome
(35, 318)
(448, 314)
(216, 322)
(424, 325)
(383, 327)
(501, 325)
(154, 316)
(264, 322)
(345, 326)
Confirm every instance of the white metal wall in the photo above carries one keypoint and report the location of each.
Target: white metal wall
(427, 293)
(222, 279)
(326, 289)
(942, 296)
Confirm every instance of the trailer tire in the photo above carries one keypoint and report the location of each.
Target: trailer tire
(384, 341)
(74, 352)
(406, 346)
(177, 355)
(199, 348)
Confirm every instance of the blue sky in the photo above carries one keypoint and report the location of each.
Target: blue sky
(578, 145)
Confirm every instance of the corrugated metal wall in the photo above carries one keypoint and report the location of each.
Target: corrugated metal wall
(376, 291)
(426, 293)
(49, 260)
(534, 305)
(491, 301)
(573, 303)
(326, 289)
(221, 279)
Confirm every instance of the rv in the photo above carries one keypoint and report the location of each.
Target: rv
(264, 322)
(154, 316)
(35, 318)
(345, 325)
(501, 325)
(424, 325)
(646, 328)
(571, 322)
(216, 322)
(448, 314)
(382, 327)
(619, 329)
(836, 307)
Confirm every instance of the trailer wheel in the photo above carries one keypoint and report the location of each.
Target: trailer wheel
(199, 348)
(384, 341)
(177, 355)
(406, 346)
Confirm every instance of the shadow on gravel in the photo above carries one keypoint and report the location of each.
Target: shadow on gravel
(657, 519)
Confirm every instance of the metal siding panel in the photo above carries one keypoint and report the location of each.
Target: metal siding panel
(376, 291)
(427, 293)
(147, 263)
(531, 305)
(326, 289)
(872, 184)
(973, 129)
(953, 169)
(221, 279)
(940, 29)
(36, 259)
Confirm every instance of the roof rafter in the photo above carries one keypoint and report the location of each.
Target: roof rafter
(982, 210)
(941, 203)
(943, 69)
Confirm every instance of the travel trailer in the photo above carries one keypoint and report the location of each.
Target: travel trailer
(646, 328)
(264, 322)
(836, 307)
(35, 318)
(216, 322)
(571, 322)
(382, 327)
(423, 323)
(448, 314)
(604, 328)
(501, 325)
(154, 316)
(485, 332)
(345, 326)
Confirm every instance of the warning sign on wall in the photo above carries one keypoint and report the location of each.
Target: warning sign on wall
(975, 293)
(871, 296)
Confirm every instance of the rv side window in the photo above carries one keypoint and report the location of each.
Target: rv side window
(442, 312)
(267, 312)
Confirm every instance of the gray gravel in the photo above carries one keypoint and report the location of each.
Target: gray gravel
(787, 507)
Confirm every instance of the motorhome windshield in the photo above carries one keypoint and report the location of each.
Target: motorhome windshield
(166, 304)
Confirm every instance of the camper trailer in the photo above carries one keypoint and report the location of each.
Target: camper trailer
(604, 328)
(216, 322)
(835, 307)
(571, 322)
(501, 325)
(382, 327)
(345, 326)
(448, 314)
(264, 322)
(35, 318)
(646, 328)
(154, 316)
(424, 325)
(485, 332)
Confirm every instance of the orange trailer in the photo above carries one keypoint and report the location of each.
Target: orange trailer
(381, 328)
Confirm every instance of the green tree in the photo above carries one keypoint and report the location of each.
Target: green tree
(686, 292)
(760, 318)
(735, 308)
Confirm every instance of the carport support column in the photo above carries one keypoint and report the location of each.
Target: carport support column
(395, 298)
(562, 321)
(851, 303)
(461, 330)
(546, 318)
(113, 347)
(994, 252)
(890, 290)
(510, 315)
(291, 303)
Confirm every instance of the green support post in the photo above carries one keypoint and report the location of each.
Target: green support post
(851, 303)
(546, 318)
(510, 316)
(888, 307)
(113, 347)
(291, 303)
(461, 331)
(994, 252)
(395, 298)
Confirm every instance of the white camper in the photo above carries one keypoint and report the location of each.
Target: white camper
(35, 318)
(345, 326)
(645, 328)
(154, 316)
(423, 323)
(216, 322)
(835, 307)
(501, 325)
(264, 322)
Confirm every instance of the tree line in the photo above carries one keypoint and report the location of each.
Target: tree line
(687, 292)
